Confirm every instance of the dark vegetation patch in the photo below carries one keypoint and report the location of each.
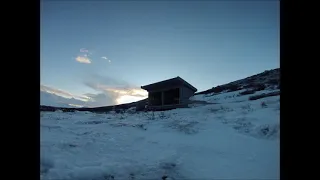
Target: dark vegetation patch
(92, 122)
(260, 96)
(220, 109)
(227, 87)
(45, 165)
(247, 92)
(108, 177)
(253, 88)
(167, 171)
(140, 126)
(232, 87)
(264, 104)
(259, 87)
(268, 131)
(273, 81)
(184, 127)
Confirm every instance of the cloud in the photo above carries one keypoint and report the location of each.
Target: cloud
(75, 105)
(62, 93)
(50, 96)
(50, 99)
(84, 50)
(128, 99)
(116, 95)
(107, 81)
(116, 90)
(101, 99)
(103, 57)
(83, 59)
(95, 100)
(110, 91)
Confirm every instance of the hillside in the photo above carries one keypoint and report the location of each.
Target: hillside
(235, 138)
(267, 79)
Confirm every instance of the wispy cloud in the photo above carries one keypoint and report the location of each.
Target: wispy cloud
(101, 99)
(50, 99)
(107, 81)
(117, 90)
(116, 95)
(84, 56)
(84, 50)
(110, 91)
(76, 105)
(83, 59)
(104, 57)
(128, 91)
(62, 93)
(51, 96)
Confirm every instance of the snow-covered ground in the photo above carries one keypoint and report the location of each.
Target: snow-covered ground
(235, 139)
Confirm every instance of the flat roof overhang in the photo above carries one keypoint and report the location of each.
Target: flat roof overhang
(168, 83)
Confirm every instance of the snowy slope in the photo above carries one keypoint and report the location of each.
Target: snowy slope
(234, 139)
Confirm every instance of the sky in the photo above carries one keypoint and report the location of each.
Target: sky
(96, 53)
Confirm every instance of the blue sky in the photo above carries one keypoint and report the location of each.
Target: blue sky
(207, 43)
